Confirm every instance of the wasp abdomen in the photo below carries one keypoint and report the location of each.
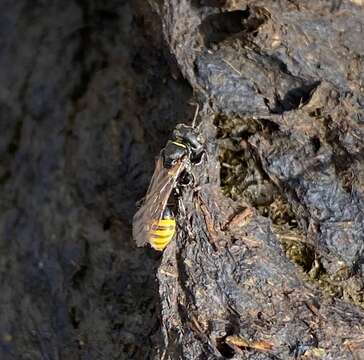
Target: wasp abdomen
(161, 233)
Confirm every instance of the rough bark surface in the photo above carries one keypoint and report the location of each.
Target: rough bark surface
(282, 83)
(87, 100)
(268, 258)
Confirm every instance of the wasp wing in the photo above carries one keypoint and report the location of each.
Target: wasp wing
(156, 198)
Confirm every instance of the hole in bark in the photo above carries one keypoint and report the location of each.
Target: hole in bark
(79, 276)
(74, 317)
(208, 3)
(316, 143)
(107, 224)
(225, 350)
(294, 98)
(14, 143)
(218, 27)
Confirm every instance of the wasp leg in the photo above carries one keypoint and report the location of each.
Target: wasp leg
(181, 207)
(187, 218)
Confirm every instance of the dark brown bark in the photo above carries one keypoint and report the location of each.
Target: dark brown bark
(281, 83)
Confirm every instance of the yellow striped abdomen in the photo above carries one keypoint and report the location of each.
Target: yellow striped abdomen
(161, 233)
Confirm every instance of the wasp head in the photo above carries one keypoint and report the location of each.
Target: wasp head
(173, 152)
(191, 139)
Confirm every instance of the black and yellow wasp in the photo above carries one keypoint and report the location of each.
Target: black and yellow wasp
(155, 222)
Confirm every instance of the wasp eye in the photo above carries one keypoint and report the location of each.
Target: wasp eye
(172, 153)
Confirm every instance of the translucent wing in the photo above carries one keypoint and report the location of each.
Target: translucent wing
(159, 191)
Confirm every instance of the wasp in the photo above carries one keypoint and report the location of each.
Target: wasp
(154, 222)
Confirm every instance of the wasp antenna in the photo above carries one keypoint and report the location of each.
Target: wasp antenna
(195, 116)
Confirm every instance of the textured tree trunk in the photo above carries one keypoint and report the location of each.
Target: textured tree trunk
(268, 262)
